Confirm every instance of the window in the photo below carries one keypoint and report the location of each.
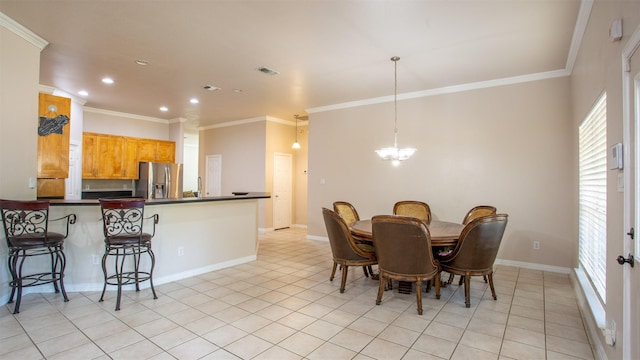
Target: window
(592, 222)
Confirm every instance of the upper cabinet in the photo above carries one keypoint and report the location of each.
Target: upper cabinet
(53, 136)
(117, 157)
(156, 150)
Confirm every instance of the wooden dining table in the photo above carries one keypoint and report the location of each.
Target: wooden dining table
(443, 233)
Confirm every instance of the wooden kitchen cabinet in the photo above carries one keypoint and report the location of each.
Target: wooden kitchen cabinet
(156, 150)
(53, 139)
(117, 157)
(102, 156)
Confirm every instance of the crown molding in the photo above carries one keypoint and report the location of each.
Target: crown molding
(578, 33)
(445, 90)
(23, 32)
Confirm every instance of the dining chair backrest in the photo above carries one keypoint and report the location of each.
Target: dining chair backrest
(346, 211)
(23, 219)
(417, 209)
(342, 244)
(478, 211)
(478, 245)
(402, 245)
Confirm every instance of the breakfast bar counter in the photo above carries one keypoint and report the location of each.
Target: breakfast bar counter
(193, 236)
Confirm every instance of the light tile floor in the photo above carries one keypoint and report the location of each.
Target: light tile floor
(283, 306)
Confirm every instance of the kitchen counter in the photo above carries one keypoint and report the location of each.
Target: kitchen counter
(193, 236)
(250, 195)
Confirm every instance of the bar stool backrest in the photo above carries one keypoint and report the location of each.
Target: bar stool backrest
(122, 217)
(24, 218)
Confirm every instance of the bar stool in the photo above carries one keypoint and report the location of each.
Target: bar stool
(26, 228)
(124, 238)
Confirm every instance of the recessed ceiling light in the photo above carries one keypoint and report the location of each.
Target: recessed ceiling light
(142, 62)
(107, 80)
(211, 88)
(164, 108)
(83, 93)
(237, 90)
(194, 101)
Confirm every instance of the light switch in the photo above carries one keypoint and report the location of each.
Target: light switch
(322, 181)
(32, 183)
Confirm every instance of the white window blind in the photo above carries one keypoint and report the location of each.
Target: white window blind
(592, 247)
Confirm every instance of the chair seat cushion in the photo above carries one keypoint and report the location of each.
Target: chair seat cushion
(143, 239)
(36, 240)
(366, 247)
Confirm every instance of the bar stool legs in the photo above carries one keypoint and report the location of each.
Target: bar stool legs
(121, 275)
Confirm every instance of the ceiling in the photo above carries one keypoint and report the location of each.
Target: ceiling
(326, 52)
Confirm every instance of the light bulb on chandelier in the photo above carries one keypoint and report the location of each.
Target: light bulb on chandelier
(395, 154)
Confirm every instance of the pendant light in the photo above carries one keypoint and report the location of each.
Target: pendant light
(296, 145)
(393, 153)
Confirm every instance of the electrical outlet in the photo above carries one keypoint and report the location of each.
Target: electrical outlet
(95, 259)
(180, 250)
(536, 245)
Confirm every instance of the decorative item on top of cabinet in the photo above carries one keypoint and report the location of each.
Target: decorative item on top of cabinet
(53, 140)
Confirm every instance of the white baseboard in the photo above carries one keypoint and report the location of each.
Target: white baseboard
(533, 266)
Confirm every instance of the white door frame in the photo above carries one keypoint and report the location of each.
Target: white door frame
(630, 247)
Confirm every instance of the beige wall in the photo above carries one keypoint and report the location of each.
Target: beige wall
(504, 146)
(597, 70)
(19, 77)
(113, 123)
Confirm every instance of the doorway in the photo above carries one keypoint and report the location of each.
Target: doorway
(213, 169)
(282, 185)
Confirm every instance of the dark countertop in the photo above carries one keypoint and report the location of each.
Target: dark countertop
(251, 195)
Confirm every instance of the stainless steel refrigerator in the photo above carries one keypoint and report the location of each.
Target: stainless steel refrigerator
(159, 181)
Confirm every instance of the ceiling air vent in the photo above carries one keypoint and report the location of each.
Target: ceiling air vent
(267, 71)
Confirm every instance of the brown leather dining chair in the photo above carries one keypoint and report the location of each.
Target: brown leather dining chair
(416, 209)
(478, 211)
(346, 252)
(474, 213)
(476, 251)
(403, 247)
(349, 214)
(26, 228)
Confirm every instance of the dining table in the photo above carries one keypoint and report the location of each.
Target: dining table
(443, 234)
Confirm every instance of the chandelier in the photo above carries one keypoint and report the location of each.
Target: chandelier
(393, 153)
(296, 145)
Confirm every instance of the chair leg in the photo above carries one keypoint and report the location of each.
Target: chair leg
(333, 271)
(104, 271)
(366, 272)
(153, 264)
(450, 278)
(345, 269)
(63, 264)
(381, 288)
(419, 296)
(54, 265)
(119, 275)
(437, 284)
(484, 277)
(467, 290)
(493, 291)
